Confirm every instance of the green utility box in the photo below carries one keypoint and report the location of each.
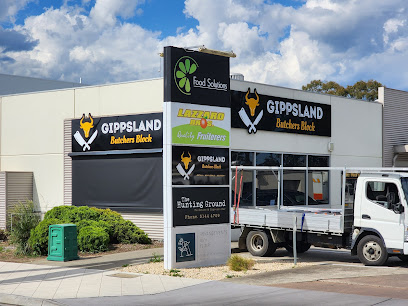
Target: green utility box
(62, 242)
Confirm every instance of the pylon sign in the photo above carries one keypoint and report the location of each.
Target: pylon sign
(196, 159)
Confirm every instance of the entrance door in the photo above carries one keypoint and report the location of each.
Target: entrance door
(378, 201)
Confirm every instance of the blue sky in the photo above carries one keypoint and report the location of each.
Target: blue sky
(285, 43)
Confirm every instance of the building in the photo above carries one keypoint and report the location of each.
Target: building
(37, 135)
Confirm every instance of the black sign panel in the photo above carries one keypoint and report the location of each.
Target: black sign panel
(253, 111)
(200, 166)
(185, 246)
(200, 205)
(117, 133)
(196, 77)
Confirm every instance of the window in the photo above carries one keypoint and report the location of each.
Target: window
(294, 181)
(318, 180)
(260, 188)
(242, 159)
(267, 181)
(383, 193)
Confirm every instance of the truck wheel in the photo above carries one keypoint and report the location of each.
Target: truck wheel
(371, 251)
(260, 243)
(301, 247)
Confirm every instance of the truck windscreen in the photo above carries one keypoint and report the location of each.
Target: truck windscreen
(404, 182)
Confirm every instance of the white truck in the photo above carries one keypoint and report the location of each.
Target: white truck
(372, 223)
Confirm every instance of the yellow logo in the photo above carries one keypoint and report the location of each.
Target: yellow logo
(186, 160)
(86, 126)
(252, 102)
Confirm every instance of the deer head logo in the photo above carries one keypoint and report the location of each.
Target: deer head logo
(186, 160)
(251, 102)
(86, 126)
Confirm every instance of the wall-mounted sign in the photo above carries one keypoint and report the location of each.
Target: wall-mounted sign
(200, 205)
(200, 124)
(196, 76)
(200, 166)
(253, 111)
(117, 133)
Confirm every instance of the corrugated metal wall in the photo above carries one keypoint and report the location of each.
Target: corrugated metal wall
(3, 203)
(395, 123)
(19, 188)
(67, 163)
(152, 224)
(14, 187)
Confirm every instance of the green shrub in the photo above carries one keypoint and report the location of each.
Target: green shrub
(239, 263)
(24, 219)
(103, 224)
(39, 236)
(3, 235)
(93, 239)
(60, 212)
(127, 232)
(111, 222)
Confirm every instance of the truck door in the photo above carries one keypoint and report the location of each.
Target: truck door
(377, 204)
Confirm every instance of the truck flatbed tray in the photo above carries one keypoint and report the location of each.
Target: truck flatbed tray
(308, 219)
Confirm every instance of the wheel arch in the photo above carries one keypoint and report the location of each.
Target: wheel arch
(365, 231)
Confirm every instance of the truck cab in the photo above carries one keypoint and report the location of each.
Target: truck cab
(380, 209)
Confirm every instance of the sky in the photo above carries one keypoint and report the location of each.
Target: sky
(284, 42)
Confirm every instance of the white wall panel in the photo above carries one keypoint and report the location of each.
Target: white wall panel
(48, 176)
(33, 123)
(120, 99)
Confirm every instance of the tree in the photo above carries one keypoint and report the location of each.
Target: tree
(360, 90)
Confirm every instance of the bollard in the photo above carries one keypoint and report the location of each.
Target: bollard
(294, 240)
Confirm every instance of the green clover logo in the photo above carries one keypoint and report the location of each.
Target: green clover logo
(185, 67)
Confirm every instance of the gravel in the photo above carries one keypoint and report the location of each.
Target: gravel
(216, 272)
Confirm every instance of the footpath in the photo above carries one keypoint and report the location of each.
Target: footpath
(94, 281)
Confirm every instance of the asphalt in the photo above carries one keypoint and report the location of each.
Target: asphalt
(336, 279)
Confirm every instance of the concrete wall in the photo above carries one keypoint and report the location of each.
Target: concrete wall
(31, 134)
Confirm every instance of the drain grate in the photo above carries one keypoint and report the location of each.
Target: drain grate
(124, 275)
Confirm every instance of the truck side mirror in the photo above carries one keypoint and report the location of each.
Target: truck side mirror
(398, 208)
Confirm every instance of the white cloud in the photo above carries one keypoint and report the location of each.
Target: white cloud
(104, 12)
(9, 8)
(343, 40)
(391, 26)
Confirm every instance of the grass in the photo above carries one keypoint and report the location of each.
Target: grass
(175, 272)
(239, 263)
(156, 258)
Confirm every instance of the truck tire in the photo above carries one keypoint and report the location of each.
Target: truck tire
(371, 251)
(260, 243)
(403, 258)
(301, 247)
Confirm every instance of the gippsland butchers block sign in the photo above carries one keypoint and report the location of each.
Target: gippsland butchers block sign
(200, 166)
(200, 205)
(117, 133)
(200, 125)
(253, 111)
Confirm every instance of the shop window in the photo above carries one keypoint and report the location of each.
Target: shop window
(267, 181)
(242, 159)
(294, 181)
(318, 181)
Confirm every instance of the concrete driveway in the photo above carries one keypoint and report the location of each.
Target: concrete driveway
(335, 271)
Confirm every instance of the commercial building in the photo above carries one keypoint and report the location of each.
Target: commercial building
(270, 126)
